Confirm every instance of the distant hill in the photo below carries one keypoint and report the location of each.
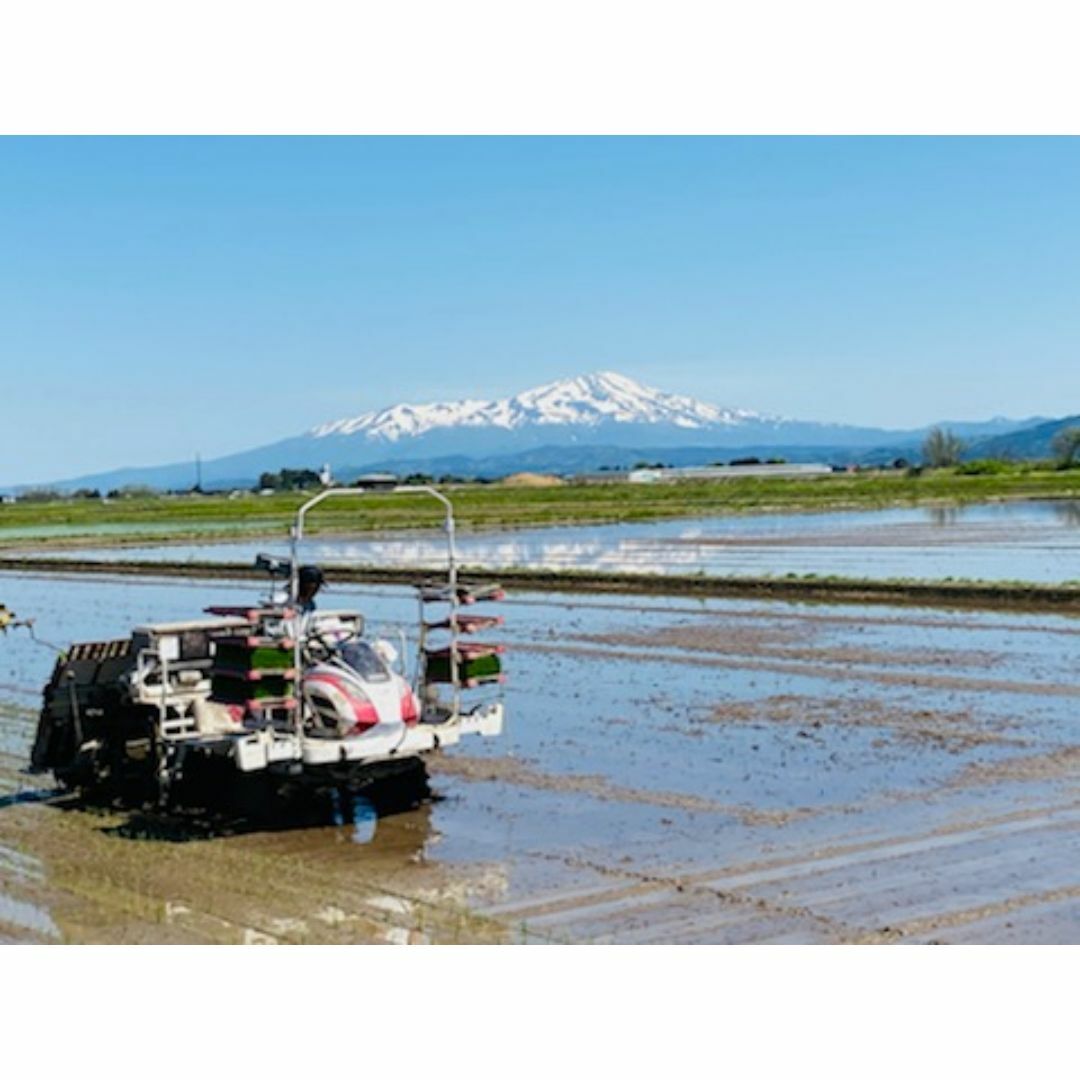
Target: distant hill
(602, 420)
(1026, 444)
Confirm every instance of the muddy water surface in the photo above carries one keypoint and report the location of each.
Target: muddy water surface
(673, 770)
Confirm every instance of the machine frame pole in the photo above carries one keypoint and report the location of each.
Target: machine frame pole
(296, 535)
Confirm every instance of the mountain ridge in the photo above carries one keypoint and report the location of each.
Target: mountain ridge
(599, 397)
(602, 416)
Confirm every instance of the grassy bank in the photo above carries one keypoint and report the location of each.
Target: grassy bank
(992, 595)
(482, 506)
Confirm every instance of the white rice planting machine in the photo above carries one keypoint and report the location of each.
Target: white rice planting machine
(279, 690)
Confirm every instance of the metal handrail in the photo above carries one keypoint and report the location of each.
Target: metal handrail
(296, 534)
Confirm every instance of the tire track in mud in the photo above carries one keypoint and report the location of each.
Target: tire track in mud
(810, 669)
(1045, 918)
(679, 906)
(1060, 763)
(926, 930)
(514, 771)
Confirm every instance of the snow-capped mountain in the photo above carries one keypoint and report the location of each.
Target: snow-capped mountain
(573, 425)
(589, 401)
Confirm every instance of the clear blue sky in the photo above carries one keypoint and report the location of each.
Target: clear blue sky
(160, 297)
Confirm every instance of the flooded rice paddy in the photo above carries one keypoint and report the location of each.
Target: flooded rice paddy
(673, 770)
(1036, 541)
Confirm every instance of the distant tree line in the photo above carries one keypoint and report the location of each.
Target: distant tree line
(1066, 446)
(48, 495)
(289, 480)
(942, 449)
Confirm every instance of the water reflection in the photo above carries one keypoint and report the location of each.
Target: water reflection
(942, 516)
(1034, 541)
(357, 812)
(15, 798)
(1068, 512)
